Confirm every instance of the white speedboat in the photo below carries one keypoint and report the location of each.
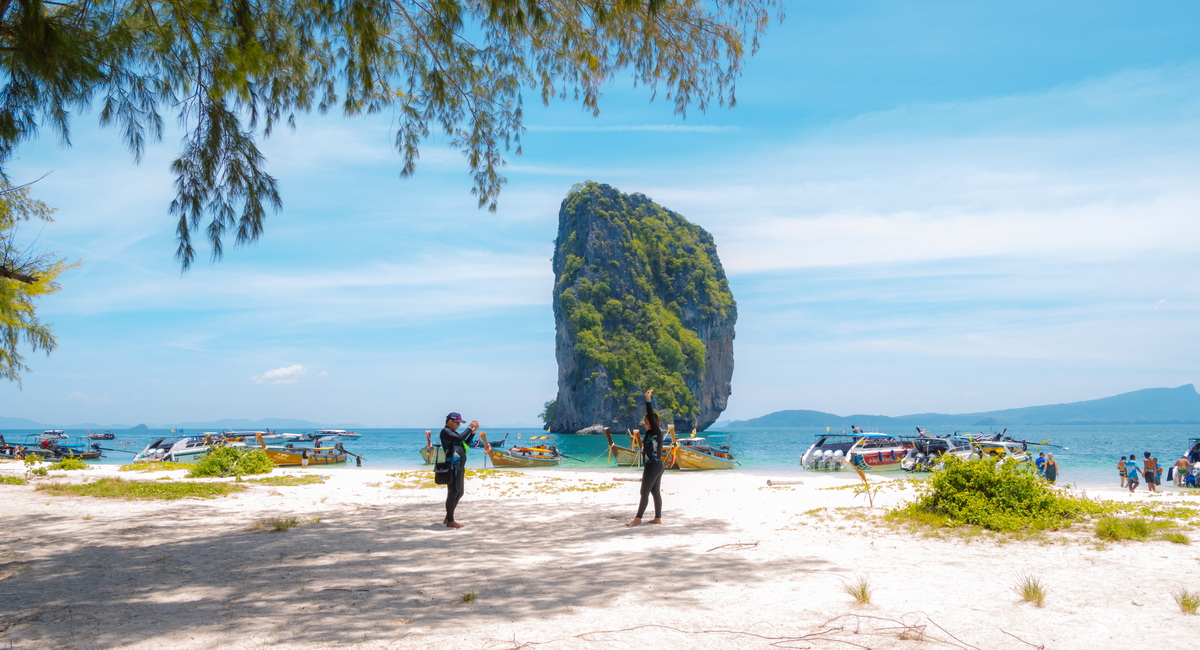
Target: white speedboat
(339, 433)
(928, 453)
(183, 449)
(877, 452)
(53, 434)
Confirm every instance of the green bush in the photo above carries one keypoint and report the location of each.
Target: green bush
(12, 480)
(69, 463)
(1004, 497)
(236, 461)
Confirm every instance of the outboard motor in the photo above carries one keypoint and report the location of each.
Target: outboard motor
(827, 459)
(838, 456)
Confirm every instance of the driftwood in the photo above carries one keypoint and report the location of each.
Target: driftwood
(770, 482)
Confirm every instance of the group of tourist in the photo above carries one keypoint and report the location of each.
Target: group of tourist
(1185, 473)
(1047, 467)
(455, 443)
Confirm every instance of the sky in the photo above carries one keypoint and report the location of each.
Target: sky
(921, 207)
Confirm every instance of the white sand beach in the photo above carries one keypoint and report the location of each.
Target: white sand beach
(736, 563)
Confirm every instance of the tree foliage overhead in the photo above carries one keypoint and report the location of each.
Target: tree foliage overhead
(24, 278)
(232, 70)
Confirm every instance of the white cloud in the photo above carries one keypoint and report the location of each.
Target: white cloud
(81, 397)
(287, 375)
(1094, 170)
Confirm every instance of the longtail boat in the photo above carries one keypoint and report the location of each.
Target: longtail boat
(294, 456)
(624, 456)
(539, 456)
(432, 453)
(701, 453)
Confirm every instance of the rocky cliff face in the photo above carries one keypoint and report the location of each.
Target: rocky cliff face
(640, 301)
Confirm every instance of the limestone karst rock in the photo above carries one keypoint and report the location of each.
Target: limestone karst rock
(640, 301)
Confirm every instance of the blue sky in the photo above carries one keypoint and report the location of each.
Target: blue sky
(926, 206)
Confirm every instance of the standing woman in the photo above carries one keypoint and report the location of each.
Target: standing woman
(1051, 469)
(652, 464)
(454, 444)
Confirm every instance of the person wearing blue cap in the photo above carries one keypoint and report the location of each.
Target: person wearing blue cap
(455, 445)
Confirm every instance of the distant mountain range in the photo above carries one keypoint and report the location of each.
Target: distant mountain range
(213, 425)
(1149, 406)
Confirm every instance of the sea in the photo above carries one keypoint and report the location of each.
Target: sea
(1086, 454)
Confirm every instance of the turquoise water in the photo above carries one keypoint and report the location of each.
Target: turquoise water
(1089, 460)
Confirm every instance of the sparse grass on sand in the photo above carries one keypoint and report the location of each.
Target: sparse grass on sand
(70, 463)
(1118, 529)
(154, 467)
(1031, 590)
(12, 480)
(1188, 601)
(506, 480)
(469, 596)
(413, 480)
(859, 589)
(289, 480)
(282, 524)
(116, 488)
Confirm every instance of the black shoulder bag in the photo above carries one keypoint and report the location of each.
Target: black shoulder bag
(441, 472)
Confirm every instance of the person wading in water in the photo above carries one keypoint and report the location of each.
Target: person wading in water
(652, 464)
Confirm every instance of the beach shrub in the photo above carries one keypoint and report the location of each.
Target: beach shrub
(232, 461)
(69, 463)
(12, 480)
(119, 488)
(1005, 497)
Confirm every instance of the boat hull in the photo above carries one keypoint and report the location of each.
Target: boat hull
(433, 455)
(693, 459)
(625, 457)
(883, 460)
(501, 458)
(294, 457)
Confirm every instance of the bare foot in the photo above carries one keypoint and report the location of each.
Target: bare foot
(656, 520)
(636, 521)
(453, 524)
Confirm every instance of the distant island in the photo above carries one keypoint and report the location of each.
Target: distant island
(1149, 406)
(210, 425)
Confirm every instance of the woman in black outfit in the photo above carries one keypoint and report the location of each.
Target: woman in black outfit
(652, 464)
